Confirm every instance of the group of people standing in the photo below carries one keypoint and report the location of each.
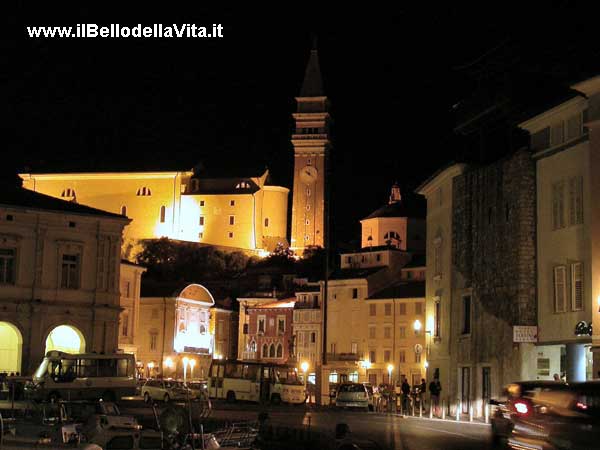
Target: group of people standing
(417, 394)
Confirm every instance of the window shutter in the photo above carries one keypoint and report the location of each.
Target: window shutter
(561, 205)
(579, 200)
(560, 289)
(555, 221)
(577, 286)
(572, 194)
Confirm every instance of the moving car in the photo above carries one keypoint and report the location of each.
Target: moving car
(557, 419)
(352, 395)
(165, 390)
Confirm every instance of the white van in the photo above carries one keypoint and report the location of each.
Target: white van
(83, 376)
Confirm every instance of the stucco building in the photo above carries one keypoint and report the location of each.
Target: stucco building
(231, 212)
(307, 327)
(184, 324)
(129, 319)
(491, 290)
(564, 144)
(59, 278)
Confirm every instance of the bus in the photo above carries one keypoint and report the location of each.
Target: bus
(255, 381)
(83, 376)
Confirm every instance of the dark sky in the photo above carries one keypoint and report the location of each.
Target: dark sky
(392, 74)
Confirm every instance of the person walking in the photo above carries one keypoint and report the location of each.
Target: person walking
(435, 388)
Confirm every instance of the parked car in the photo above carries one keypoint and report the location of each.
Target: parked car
(352, 395)
(165, 390)
(372, 394)
(551, 418)
(199, 389)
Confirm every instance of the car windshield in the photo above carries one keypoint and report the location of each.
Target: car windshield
(352, 388)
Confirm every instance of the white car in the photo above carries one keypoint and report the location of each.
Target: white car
(352, 395)
(165, 390)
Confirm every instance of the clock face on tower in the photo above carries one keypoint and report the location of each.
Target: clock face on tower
(309, 174)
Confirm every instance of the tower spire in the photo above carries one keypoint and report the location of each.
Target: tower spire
(312, 86)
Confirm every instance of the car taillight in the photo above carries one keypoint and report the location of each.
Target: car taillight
(522, 407)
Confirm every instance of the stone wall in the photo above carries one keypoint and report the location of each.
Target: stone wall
(493, 237)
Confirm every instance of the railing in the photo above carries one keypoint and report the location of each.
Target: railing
(249, 355)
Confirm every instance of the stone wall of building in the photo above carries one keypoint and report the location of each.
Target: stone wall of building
(494, 236)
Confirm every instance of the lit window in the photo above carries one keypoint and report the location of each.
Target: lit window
(333, 377)
(163, 213)
(242, 185)
(7, 265)
(124, 210)
(70, 272)
(353, 377)
(144, 192)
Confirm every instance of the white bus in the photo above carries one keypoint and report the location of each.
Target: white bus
(255, 381)
(83, 376)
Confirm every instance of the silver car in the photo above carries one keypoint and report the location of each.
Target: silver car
(352, 395)
(165, 390)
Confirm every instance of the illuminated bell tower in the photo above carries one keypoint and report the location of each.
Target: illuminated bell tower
(311, 151)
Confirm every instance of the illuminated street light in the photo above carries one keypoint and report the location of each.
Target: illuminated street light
(304, 367)
(169, 363)
(390, 369)
(186, 361)
(417, 326)
(192, 365)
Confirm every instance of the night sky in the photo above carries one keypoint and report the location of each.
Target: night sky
(398, 79)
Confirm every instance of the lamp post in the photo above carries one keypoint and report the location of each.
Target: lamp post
(417, 326)
(192, 365)
(366, 364)
(390, 368)
(304, 367)
(150, 367)
(186, 361)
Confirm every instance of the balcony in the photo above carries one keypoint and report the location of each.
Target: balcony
(249, 355)
(343, 357)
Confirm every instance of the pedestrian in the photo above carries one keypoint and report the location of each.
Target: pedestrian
(556, 377)
(405, 388)
(435, 388)
(422, 389)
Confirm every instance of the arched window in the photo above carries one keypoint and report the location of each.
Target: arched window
(265, 351)
(144, 192)
(68, 193)
(163, 213)
(392, 238)
(279, 351)
(124, 210)
(272, 351)
(253, 346)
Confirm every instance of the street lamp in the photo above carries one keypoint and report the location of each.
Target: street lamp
(186, 361)
(192, 365)
(390, 368)
(304, 367)
(417, 326)
(366, 364)
(150, 367)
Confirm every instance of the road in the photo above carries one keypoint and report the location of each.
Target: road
(389, 431)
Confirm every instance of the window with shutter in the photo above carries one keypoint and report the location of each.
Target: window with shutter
(558, 205)
(560, 289)
(575, 200)
(577, 286)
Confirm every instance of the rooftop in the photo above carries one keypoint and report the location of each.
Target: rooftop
(351, 274)
(24, 198)
(409, 206)
(285, 303)
(402, 289)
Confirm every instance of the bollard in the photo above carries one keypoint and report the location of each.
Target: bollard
(431, 409)
(458, 408)
(412, 404)
(470, 413)
(421, 408)
(443, 409)
(487, 413)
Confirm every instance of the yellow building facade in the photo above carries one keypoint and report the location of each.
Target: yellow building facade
(232, 213)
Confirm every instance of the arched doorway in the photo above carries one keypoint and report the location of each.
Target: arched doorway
(65, 338)
(11, 344)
